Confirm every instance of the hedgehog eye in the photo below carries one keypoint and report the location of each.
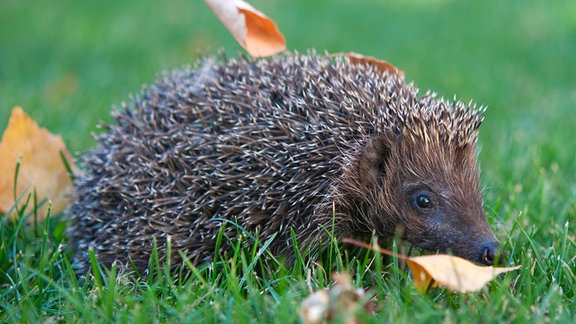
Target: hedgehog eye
(422, 200)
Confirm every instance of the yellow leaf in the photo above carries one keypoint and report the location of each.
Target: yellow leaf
(257, 33)
(41, 166)
(451, 271)
(443, 270)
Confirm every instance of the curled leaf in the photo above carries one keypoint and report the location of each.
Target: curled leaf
(41, 166)
(338, 303)
(453, 272)
(257, 33)
(314, 307)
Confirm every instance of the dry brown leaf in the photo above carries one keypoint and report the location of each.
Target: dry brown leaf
(453, 272)
(381, 65)
(338, 303)
(257, 33)
(41, 165)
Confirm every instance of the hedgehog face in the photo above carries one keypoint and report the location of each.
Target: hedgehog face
(429, 193)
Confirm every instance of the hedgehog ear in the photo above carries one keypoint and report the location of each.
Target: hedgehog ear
(373, 159)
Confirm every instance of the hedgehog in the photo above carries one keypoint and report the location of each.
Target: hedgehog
(297, 149)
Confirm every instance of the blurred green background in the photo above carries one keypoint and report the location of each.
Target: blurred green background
(68, 62)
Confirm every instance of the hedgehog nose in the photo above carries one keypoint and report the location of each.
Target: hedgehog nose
(489, 253)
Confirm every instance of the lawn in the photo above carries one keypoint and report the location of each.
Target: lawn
(67, 63)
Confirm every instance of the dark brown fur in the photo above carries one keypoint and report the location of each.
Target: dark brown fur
(295, 142)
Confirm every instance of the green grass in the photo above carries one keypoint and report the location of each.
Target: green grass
(68, 62)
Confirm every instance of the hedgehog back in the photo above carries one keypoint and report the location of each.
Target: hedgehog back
(256, 143)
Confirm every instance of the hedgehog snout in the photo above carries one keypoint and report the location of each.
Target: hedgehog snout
(490, 253)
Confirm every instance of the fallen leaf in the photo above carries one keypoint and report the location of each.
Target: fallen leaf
(257, 33)
(41, 166)
(314, 307)
(453, 272)
(381, 65)
(338, 303)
